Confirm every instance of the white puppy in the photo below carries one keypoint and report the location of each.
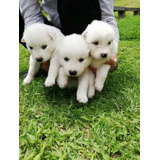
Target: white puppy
(74, 58)
(101, 39)
(41, 41)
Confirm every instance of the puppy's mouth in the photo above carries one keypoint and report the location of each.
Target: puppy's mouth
(40, 62)
(73, 76)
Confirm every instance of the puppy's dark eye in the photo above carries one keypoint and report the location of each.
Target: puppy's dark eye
(66, 59)
(95, 43)
(109, 42)
(44, 46)
(81, 59)
(30, 47)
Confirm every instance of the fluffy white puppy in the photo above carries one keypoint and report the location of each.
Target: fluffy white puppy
(41, 41)
(74, 58)
(101, 39)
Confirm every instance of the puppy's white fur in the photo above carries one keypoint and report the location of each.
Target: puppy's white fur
(41, 41)
(74, 58)
(101, 40)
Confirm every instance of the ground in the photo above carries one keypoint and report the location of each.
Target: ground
(53, 125)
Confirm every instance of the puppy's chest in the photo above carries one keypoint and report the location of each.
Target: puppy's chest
(97, 63)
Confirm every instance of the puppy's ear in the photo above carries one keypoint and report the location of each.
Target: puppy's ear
(51, 36)
(23, 40)
(51, 33)
(57, 51)
(84, 34)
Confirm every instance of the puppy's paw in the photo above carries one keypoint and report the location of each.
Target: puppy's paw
(62, 83)
(82, 99)
(27, 80)
(91, 93)
(99, 86)
(49, 82)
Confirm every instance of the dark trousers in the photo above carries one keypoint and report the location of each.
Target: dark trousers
(74, 15)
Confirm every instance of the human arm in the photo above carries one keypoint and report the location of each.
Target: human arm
(107, 15)
(31, 12)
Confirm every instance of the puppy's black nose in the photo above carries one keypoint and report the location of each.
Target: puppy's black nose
(72, 73)
(39, 59)
(104, 55)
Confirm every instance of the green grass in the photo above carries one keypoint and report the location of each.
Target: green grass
(127, 3)
(53, 125)
(129, 28)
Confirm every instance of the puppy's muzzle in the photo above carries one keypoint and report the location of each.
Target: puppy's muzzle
(104, 55)
(39, 59)
(73, 73)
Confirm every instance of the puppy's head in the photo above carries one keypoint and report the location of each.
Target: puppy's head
(40, 40)
(101, 39)
(74, 55)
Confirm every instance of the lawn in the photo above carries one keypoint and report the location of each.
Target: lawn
(127, 3)
(53, 125)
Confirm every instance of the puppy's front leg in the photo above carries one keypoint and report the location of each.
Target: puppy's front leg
(83, 82)
(33, 69)
(53, 71)
(62, 78)
(91, 87)
(101, 75)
